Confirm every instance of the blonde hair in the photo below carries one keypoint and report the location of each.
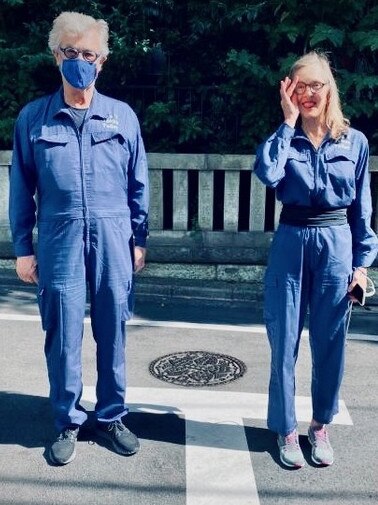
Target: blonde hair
(76, 23)
(335, 120)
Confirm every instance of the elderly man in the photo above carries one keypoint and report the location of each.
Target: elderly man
(82, 155)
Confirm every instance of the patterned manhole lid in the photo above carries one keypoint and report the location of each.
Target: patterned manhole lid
(197, 368)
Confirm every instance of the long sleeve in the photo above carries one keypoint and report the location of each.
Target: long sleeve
(365, 242)
(22, 206)
(138, 191)
(271, 156)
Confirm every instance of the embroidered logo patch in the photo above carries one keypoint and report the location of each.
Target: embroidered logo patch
(344, 143)
(111, 123)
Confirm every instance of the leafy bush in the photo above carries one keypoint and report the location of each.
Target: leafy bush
(202, 76)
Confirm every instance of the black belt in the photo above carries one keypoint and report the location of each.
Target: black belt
(300, 215)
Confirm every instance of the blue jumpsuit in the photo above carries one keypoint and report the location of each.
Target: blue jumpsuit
(311, 266)
(92, 202)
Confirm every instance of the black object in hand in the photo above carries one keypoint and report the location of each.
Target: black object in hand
(359, 294)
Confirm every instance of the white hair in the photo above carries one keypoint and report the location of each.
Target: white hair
(76, 23)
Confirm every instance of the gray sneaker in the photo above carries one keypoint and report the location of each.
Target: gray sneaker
(322, 452)
(124, 442)
(290, 452)
(63, 450)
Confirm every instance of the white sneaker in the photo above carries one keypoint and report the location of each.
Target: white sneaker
(290, 452)
(322, 452)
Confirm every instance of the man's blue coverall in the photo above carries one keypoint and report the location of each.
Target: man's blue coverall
(91, 206)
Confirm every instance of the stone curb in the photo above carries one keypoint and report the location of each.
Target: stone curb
(207, 283)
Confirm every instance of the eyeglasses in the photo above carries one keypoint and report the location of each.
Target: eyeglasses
(72, 53)
(315, 87)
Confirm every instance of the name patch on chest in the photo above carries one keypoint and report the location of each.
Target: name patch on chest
(344, 143)
(111, 123)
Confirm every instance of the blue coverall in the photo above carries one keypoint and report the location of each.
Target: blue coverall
(92, 203)
(311, 266)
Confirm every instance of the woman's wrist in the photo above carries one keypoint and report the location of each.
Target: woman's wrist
(362, 270)
(290, 122)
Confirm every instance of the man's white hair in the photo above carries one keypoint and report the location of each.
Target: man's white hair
(75, 23)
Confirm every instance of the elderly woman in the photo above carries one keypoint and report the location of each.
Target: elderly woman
(82, 154)
(320, 251)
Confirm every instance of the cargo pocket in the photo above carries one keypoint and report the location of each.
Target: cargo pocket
(43, 309)
(271, 304)
(50, 306)
(127, 300)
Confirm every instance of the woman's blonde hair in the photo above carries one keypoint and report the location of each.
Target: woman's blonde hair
(75, 23)
(335, 120)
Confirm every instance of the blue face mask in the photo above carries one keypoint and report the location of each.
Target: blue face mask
(79, 73)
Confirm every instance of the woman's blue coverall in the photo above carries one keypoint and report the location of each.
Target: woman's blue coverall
(91, 191)
(311, 266)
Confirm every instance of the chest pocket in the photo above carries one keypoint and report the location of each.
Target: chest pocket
(299, 171)
(297, 160)
(109, 160)
(109, 143)
(57, 159)
(296, 155)
(340, 167)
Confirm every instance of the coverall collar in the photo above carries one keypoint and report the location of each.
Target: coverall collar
(299, 133)
(97, 107)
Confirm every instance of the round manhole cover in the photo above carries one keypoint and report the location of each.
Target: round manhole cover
(197, 368)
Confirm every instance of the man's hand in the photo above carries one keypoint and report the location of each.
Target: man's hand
(139, 258)
(26, 268)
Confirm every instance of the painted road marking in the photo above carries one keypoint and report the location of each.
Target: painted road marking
(255, 328)
(218, 463)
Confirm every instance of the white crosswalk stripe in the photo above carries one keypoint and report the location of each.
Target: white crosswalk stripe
(218, 464)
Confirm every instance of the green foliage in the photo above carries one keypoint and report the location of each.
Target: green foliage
(365, 40)
(202, 76)
(323, 33)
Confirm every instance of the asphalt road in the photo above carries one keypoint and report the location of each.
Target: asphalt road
(201, 445)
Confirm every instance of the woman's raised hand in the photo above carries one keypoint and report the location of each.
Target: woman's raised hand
(289, 101)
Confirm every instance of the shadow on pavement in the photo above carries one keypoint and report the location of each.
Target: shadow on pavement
(204, 312)
(171, 428)
(25, 420)
(264, 440)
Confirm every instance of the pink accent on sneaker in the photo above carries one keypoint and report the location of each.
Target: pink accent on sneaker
(322, 452)
(290, 452)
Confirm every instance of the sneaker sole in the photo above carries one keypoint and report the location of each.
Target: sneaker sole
(116, 448)
(124, 453)
(57, 462)
(316, 461)
(289, 465)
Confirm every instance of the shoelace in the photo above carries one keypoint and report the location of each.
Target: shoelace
(117, 426)
(67, 434)
(321, 437)
(291, 442)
